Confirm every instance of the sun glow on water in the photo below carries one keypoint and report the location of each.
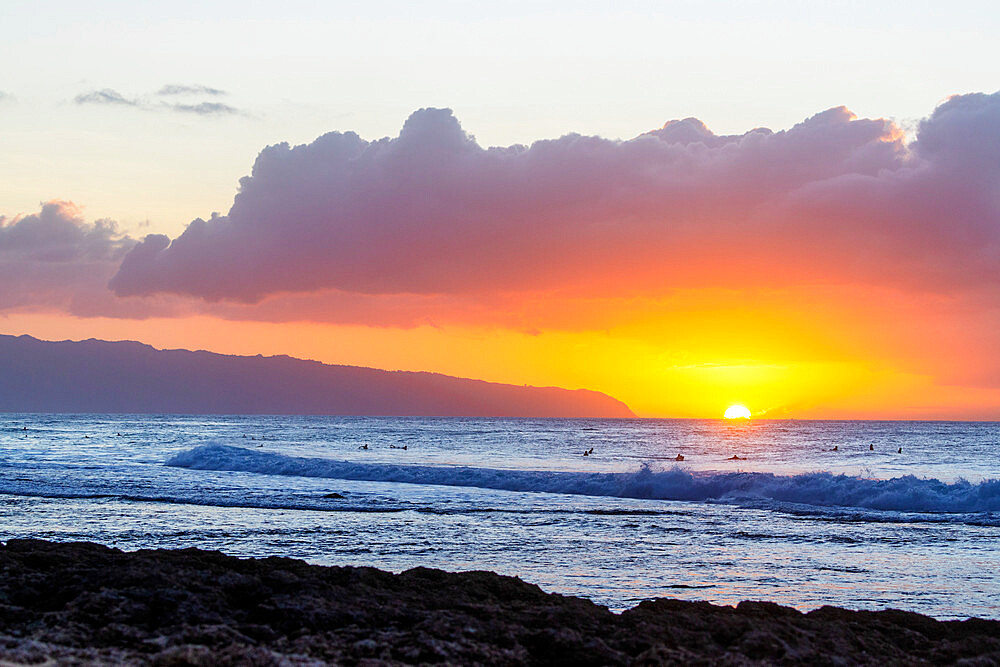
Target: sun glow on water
(737, 412)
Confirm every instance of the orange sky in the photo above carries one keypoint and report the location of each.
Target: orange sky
(796, 355)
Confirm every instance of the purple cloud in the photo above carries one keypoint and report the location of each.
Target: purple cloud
(430, 211)
(54, 258)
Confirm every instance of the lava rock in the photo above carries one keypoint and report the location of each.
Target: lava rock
(83, 603)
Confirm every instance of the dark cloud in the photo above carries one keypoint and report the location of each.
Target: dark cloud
(834, 198)
(206, 109)
(105, 96)
(178, 89)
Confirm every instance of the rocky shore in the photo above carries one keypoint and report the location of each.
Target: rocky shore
(83, 603)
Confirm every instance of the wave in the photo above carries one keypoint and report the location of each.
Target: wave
(819, 489)
(318, 504)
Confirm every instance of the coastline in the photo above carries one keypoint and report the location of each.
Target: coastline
(83, 602)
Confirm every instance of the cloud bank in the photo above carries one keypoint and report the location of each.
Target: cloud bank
(834, 199)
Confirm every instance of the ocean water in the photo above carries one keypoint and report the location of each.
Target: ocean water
(864, 527)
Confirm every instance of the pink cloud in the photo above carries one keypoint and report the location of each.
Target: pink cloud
(431, 211)
(55, 259)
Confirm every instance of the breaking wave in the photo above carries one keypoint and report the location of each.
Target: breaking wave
(820, 489)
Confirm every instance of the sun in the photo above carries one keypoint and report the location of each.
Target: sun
(737, 412)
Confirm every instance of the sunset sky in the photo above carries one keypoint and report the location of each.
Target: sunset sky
(685, 205)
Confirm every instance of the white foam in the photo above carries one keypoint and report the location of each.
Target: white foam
(819, 489)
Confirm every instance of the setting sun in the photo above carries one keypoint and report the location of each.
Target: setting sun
(737, 412)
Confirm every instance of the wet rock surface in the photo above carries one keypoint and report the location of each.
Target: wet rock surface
(83, 603)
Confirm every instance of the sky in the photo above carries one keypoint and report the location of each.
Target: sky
(795, 206)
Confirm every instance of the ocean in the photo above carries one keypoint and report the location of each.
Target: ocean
(790, 520)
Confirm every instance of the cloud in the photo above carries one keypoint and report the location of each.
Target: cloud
(110, 97)
(832, 199)
(105, 96)
(206, 109)
(178, 89)
(5, 97)
(55, 259)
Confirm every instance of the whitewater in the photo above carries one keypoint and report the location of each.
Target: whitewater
(865, 515)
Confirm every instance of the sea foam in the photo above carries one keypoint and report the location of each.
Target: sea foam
(820, 489)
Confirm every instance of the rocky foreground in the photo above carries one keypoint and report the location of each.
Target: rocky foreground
(76, 603)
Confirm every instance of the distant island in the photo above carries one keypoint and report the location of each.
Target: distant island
(128, 377)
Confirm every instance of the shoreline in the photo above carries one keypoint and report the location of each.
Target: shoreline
(83, 602)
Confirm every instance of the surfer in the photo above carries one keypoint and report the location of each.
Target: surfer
(871, 448)
(835, 448)
(734, 457)
(680, 457)
(899, 451)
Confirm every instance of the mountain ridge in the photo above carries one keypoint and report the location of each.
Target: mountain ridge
(94, 375)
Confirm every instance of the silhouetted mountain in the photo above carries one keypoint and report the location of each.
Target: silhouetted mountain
(129, 377)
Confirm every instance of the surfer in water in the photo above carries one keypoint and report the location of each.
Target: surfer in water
(680, 457)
